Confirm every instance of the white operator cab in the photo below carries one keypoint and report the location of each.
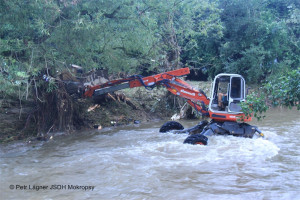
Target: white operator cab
(228, 91)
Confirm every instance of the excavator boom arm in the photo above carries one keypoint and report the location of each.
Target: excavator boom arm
(196, 98)
(136, 81)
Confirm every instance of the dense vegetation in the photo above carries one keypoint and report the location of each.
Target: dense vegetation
(258, 39)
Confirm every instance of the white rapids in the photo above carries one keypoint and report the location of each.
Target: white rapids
(138, 162)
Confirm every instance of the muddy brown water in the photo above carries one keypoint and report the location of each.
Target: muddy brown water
(137, 162)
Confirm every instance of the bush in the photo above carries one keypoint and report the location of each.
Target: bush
(255, 104)
(284, 90)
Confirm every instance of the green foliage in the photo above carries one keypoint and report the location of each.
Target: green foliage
(52, 86)
(200, 35)
(255, 104)
(13, 78)
(280, 90)
(105, 34)
(254, 38)
(284, 89)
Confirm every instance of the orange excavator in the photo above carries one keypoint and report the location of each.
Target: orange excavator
(223, 106)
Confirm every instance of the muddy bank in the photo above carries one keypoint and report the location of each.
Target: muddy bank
(19, 122)
(13, 118)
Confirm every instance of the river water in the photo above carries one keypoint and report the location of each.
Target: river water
(138, 162)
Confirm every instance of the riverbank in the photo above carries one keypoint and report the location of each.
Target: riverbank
(129, 106)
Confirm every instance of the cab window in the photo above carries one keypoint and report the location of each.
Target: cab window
(236, 88)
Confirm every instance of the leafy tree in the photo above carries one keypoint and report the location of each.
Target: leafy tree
(284, 89)
(21, 33)
(255, 42)
(200, 36)
(106, 34)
